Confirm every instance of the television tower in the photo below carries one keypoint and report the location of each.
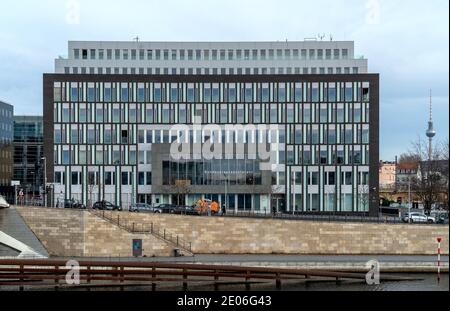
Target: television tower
(430, 132)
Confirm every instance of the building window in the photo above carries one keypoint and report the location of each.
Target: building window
(75, 178)
(340, 157)
(336, 54)
(141, 178)
(344, 53)
(149, 54)
(60, 178)
(365, 136)
(109, 178)
(91, 136)
(124, 137)
(74, 136)
(65, 115)
(66, 157)
(313, 178)
(320, 54)
(125, 178)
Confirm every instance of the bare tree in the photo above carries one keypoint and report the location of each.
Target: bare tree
(364, 198)
(444, 149)
(92, 184)
(179, 190)
(431, 182)
(409, 158)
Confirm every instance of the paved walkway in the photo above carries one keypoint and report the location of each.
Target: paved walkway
(12, 224)
(283, 259)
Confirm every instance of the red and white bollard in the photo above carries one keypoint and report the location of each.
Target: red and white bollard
(439, 258)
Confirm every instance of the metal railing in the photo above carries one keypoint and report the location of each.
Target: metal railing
(53, 274)
(330, 217)
(143, 228)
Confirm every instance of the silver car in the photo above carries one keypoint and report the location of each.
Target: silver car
(144, 208)
(418, 218)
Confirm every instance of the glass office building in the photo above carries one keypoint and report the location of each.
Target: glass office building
(28, 153)
(111, 136)
(6, 138)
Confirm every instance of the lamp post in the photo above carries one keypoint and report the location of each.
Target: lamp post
(226, 191)
(409, 199)
(45, 180)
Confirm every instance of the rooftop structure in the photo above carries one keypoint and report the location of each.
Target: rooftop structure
(211, 58)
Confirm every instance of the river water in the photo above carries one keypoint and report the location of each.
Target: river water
(427, 282)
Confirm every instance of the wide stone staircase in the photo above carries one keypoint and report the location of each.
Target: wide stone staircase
(134, 227)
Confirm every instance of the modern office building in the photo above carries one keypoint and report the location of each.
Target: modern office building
(292, 142)
(6, 138)
(28, 153)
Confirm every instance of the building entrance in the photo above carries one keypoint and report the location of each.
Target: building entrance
(278, 203)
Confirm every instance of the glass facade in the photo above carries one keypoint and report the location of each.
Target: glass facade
(320, 126)
(28, 152)
(6, 139)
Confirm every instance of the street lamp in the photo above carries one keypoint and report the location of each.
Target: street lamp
(226, 191)
(409, 199)
(45, 180)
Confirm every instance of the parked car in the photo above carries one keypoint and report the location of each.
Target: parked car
(144, 208)
(186, 210)
(105, 205)
(3, 203)
(167, 208)
(418, 218)
(37, 201)
(442, 219)
(72, 203)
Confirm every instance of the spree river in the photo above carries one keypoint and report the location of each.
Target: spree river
(429, 282)
(423, 282)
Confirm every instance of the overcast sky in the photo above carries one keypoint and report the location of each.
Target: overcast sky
(407, 42)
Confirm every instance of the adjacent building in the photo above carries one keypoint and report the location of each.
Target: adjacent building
(241, 123)
(6, 138)
(387, 171)
(405, 172)
(28, 153)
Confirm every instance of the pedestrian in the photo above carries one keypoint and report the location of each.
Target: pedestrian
(274, 211)
(224, 210)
